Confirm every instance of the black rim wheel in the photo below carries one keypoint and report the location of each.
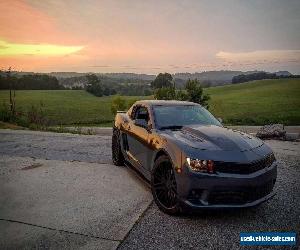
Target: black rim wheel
(164, 185)
(116, 151)
(115, 146)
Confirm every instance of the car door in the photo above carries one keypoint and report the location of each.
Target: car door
(138, 138)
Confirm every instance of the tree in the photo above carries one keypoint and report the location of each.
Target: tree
(162, 80)
(106, 91)
(93, 85)
(194, 93)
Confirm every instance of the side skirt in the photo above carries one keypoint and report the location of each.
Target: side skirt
(137, 173)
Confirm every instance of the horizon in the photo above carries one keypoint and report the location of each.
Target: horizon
(149, 38)
(149, 74)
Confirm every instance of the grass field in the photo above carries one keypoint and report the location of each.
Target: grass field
(65, 107)
(258, 102)
(253, 103)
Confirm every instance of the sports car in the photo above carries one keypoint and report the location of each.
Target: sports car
(190, 159)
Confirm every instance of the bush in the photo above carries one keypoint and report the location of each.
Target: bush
(118, 104)
(36, 116)
(165, 93)
(182, 95)
(5, 113)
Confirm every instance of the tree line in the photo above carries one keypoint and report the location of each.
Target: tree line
(100, 87)
(29, 82)
(259, 76)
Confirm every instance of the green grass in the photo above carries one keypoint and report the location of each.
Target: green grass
(253, 103)
(257, 102)
(66, 107)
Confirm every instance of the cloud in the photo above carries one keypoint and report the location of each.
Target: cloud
(23, 23)
(261, 55)
(21, 49)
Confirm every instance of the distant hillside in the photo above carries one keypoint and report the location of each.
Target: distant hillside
(144, 77)
(257, 102)
(207, 78)
(282, 73)
(109, 75)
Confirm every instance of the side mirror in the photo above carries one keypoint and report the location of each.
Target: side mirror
(141, 123)
(220, 120)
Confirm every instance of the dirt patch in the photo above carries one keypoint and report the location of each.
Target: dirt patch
(6, 125)
(32, 166)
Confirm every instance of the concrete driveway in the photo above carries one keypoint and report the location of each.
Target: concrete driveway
(64, 204)
(61, 191)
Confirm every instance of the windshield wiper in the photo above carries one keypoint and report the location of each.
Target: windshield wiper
(171, 127)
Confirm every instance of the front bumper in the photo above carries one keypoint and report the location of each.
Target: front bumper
(215, 191)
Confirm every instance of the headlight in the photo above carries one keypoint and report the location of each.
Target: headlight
(203, 166)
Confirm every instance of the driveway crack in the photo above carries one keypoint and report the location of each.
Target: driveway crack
(59, 230)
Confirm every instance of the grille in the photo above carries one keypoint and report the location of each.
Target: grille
(240, 196)
(236, 168)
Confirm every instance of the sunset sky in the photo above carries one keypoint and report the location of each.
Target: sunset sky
(149, 36)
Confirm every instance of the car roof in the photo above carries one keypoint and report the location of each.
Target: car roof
(164, 102)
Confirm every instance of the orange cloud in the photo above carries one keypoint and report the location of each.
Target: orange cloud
(24, 29)
(22, 23)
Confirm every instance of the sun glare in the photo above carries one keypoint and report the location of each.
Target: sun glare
(15, 49)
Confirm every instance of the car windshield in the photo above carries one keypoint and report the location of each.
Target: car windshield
(176, 116)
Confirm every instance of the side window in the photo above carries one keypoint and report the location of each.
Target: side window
(133, 112)
(142, 113)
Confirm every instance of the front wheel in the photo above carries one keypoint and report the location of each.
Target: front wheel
(164, 187)
(117, 155)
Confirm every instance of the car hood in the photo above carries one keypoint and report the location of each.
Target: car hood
(213, 138)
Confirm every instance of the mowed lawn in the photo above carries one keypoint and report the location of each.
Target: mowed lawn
(253, 103)
(66, 106)
(258, 102)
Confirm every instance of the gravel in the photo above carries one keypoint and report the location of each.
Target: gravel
(220, 230)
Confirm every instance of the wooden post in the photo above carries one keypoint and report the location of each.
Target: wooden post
(12, 93)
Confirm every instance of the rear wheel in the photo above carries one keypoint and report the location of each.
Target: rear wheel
(164, 187)
(117, 155)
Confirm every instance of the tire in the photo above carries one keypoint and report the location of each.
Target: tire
(164, 187)
(117, 155)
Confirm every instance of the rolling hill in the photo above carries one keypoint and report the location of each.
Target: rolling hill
(258, 102)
